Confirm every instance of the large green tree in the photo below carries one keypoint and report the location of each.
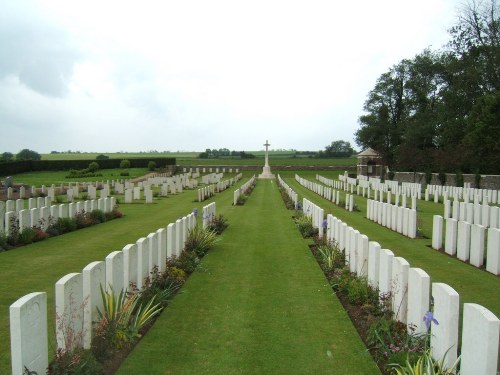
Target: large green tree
(27, 154)
(430, 112)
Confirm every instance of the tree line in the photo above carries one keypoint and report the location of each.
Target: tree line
(440, 111)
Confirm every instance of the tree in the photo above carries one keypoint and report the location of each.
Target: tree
(339, 149)
(151, 165)
(102, 157)
(7, 156)
(94, 167)
(26, 154)
(125, 164)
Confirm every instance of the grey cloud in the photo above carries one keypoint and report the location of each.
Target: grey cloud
(34, 50)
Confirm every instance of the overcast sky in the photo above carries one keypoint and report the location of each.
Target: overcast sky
(190, 75)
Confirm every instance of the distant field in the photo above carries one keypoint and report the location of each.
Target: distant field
(57, 177)
(117, 155)
(279, 158)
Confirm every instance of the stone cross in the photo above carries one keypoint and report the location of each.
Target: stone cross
(266, 171)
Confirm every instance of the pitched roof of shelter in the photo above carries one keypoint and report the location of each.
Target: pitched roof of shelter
(369, 152)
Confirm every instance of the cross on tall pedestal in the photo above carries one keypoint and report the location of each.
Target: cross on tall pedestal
(266, 155)
(266, 171)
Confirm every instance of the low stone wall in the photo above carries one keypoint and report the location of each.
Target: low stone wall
(487, 181)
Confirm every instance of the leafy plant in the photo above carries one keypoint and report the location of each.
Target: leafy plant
(218, 224)
(305, 226)
(27, 236)
(151, 165)
(77, 362)
(200, 240)
(425, 365)
(122, 317)
(330, 256)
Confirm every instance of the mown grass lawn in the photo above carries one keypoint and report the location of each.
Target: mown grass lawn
(259, 304)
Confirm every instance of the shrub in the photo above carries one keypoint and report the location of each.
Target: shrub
(77, 362)
(97, 216)
(218, 224)
(187, 261)
(125, 164)
(151, 165)
(442, 178)
(242, 198)
(93, 167)
(357, 291)
(62, 225)
(26, 236)
(330, 256)
(120, 320)
(125, 173)
(304, 223)
(200, 240)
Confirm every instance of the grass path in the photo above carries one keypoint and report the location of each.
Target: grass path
(259, 304)
(473, 285)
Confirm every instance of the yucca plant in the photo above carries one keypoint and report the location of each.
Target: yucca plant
(426, 365)
(200, 240)
(123, 317)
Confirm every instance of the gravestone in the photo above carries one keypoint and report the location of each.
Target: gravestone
(69, 308)
(463, 242)
(399, 291)
(480, 332)
(115, 271)
(142, 261)
(444, 336)
(493, 251)
(437, 232)
(28, 334)
(419, 283)
(385, 272)
(477, 245)
(94, 277)
(450, 244)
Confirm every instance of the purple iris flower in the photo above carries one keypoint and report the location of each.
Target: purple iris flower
(325, 224)
(429, 318)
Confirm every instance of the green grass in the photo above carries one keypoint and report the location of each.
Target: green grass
(57, 177)
(473, 285)
(117, 155)
(259, 305)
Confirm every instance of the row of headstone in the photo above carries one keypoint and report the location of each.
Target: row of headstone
(43, 216)
(290, 192)
(466, 193)
(316, 213)
(400, 219)
(474, 213)
(210, 170)
(211, 178)
(411, 291)
(81, 291)
(324, 191)
(209, 191)
(242, 189)
(466, 241)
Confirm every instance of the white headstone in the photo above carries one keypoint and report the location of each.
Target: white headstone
(28, 334)
(444, 336)
(94, 277)
(69, 311)
(419, 283)
(480, 332)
